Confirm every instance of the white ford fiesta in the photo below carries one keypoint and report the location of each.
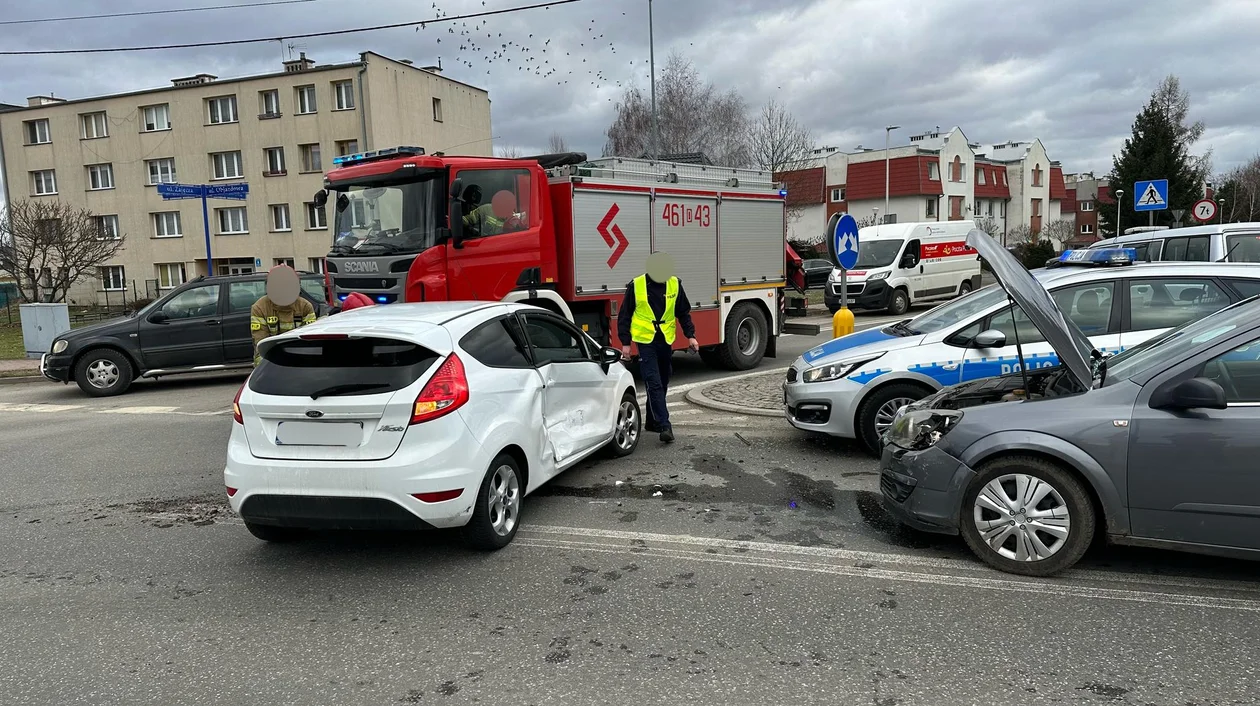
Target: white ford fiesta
(421, 415)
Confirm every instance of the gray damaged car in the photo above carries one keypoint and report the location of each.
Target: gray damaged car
(1156, 446)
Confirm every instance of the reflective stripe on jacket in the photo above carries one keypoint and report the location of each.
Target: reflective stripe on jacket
(266, 319)
(643, 324)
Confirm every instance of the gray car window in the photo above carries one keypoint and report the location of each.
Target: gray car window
(1237, 372)
(1164, 303)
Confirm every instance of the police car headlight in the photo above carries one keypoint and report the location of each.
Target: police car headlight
(877, 276)
(60, 346)
(837, 370)
(918, 429)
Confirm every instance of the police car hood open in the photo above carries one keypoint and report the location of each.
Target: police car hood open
(1073, 348)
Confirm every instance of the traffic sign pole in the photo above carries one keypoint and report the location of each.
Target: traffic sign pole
(842, 239)
(205, 223)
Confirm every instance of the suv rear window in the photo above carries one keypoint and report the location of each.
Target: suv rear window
(358, 366)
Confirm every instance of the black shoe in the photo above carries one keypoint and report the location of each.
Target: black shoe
(667, 436)
(651, 427)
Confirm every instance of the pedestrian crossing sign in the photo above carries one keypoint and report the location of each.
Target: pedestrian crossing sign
(1150, 195)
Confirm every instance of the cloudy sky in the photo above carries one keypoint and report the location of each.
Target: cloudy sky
(1071, 72)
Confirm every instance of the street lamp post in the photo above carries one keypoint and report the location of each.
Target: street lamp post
(1220, 211)
(887, 132)
(1119, 202)
(656, 130)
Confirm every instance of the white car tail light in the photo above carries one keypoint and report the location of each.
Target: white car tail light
(445, 392)
(236, 404)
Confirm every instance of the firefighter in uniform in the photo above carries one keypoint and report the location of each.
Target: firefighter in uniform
(653, 303)
(480, 217)
(281, 309)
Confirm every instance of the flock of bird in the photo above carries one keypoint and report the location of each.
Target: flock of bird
(480, 45)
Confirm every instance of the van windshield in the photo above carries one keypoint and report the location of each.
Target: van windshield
(878, 253)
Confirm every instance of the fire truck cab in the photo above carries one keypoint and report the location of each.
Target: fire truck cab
(564, 233)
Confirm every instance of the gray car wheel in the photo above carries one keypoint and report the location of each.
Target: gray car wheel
(1026, 515)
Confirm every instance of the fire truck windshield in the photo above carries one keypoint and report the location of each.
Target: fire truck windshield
(389, 217)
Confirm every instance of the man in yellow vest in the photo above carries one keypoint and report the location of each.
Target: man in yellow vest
(653, 303)
(281, 309)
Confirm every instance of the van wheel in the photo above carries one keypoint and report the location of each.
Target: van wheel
(103, 372)
(964, 288)
(497, 514)
(900, 302)
(1025, 515)
(878, 410)
(744, 344)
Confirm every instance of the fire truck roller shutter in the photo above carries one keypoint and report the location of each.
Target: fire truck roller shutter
(604, 264)
(750, 252)
(686, 228)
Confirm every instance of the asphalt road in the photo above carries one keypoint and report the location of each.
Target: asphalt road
(764, 572)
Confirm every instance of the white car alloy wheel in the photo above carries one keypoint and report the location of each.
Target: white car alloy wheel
(504, 500)
(1022, 517)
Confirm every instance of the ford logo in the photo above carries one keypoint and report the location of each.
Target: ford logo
(361, 266)
(314, 413)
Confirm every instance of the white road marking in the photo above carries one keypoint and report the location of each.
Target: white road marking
(138, 410)
(35, 407)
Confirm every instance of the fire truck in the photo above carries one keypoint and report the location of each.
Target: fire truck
(564, 233)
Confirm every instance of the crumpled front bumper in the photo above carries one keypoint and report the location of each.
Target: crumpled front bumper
(924, 489)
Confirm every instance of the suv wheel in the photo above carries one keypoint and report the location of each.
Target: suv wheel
(1025, 515)
(103, 372)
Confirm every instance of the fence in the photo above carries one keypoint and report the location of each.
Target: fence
(106, 304)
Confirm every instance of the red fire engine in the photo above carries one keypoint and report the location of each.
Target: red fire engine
(564, 233)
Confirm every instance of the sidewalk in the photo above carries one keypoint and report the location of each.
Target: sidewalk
(19, 370)
(756, 395)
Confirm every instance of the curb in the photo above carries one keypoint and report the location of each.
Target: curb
(697, 396)
(21, 379)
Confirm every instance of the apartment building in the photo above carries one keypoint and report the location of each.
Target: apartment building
(276, 132)
(1083, 194)
(939, 176)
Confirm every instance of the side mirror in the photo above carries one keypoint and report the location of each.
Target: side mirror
(158, 317)
(320, 199)
(343, 202)
(457, 214)
(991, 338)
(1195, 393)
(457, 188)
(608, 356)
(907, 261)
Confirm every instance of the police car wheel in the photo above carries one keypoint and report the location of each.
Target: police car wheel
(1025, 515)
(877, 411)
(899, 303)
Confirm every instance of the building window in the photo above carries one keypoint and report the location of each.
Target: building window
(956, 173)
(437, 110)
(1003, 177)
(837, 194)
(94, 125)
(890, 218)
(37, 132)
(100, 176)
(268, 104)
(1086, 205)
(112, 277)
(280, 218)
(167, 225)
(170, 274)
(316, 217)
(934, 171)
(283, 261)
(161, 171)
(979, 176)
(1036, 208)
(343, 93)
(157, 117)
(310, 157)
(316, 264)
(305, 100)
(221, 110)
(107, 226)
(232, 221)
(931, 208)
(1087, 228)
(990, 209)
(226, 165)
(1036, 175)
(44, 182)
(275, 161)
(345, 147)
(1002, 209)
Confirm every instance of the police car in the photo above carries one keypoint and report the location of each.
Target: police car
(853, 386)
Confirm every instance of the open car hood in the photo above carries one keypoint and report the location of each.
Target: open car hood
(1073, 348)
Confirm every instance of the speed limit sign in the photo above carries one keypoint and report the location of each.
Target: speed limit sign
(1204, 210)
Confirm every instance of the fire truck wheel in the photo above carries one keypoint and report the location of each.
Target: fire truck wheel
(744, 344)
(711, 357)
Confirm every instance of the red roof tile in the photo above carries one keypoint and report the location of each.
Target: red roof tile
(907, 176)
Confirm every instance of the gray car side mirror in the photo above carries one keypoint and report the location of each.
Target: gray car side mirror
(991, 338)
(1195, 393)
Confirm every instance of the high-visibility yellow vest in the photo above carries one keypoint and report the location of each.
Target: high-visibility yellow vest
(643, 324)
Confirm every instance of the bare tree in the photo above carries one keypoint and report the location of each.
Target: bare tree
(1060, 231)
(510, 152)
(865, 222)
(693, 116)
(556, 144)
(989, 226)
(47, 246)
(1021, 234)
(776, 141)
(1240, 189)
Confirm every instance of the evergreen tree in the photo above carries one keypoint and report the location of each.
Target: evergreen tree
(1159, 148)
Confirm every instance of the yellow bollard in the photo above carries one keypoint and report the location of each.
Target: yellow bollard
(842, 322)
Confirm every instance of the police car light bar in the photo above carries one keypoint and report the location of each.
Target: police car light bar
(1099, 257)
(387, 153)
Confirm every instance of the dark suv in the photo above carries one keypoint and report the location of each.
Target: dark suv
(200, 326)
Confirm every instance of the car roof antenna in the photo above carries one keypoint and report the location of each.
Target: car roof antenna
(1019, 350)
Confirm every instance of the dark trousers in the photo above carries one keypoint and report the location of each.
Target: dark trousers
(655, 366)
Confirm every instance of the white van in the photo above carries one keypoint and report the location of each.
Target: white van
(1221, 242)
(900, 264)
